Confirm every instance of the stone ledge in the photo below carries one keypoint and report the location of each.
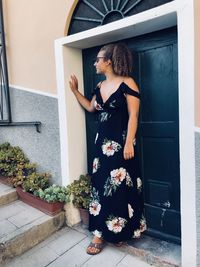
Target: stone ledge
(7, 194)
(26, 237)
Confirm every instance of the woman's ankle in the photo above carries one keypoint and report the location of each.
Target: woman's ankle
(97, 239)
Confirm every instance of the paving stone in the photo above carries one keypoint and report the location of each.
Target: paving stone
(25, 217)
(39, 258)
(110, 256)
(9, 210)
(66, 241)
(76, 256)
(79, 227)
(63, 231)
(6, 227)
(24, 238)
(85, 242)
(129, 261)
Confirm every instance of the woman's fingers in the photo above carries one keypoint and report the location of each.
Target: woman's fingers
(128, 153)
(75, 79)
(128, 156)
(73, 83)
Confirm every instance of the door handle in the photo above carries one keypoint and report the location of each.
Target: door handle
(165, 204)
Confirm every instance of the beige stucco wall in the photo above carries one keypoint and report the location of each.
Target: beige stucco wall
(197, 63)
(31, 28)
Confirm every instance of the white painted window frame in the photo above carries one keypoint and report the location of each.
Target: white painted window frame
(69, 60)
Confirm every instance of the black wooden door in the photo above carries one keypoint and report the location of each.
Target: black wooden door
(155, 71)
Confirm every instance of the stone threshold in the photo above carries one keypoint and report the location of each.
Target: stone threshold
(155, 252)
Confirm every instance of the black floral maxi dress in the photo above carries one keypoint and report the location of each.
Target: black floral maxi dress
(116, 207)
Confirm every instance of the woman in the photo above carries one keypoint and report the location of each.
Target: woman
(116, 207)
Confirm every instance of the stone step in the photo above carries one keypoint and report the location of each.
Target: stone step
(7, 194)
(22, 227)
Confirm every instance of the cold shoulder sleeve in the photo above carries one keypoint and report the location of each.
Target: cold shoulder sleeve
(96, 89)
(127, 90)
(94, 92)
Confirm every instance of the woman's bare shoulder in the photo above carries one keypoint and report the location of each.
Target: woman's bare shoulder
(99, 84)
(129, 81)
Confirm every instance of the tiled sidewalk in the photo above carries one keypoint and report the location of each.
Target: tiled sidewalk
(67, 248)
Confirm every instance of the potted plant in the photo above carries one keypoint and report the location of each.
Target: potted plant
(32, 187)
(55, 197)
(53, 193)
(32, 184)
(14, 165)
(80, 193)
(35, 181)
(22, 171)
(49, 199)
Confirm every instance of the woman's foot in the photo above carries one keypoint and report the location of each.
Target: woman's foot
(95, 246)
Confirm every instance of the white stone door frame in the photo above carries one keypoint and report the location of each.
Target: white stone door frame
(72, 118)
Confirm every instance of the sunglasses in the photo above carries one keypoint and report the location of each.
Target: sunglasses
(96, 60)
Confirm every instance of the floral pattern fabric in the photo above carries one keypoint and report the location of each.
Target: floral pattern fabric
(116, 206)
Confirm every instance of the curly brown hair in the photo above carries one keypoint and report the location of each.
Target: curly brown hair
(120, 56)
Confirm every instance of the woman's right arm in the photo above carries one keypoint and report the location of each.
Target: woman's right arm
(85, 103)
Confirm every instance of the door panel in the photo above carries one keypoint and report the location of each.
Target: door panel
(156, 73)
(157, 79)
(158, 131)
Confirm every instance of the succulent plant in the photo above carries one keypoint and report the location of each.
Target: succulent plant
(53, 193)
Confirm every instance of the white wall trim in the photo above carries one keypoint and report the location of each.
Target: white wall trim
(34, 91)
(197, 129)
(148, 21)
(185, 14)
(62, 113)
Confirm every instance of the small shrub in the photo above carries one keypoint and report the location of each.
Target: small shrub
(10, 159)
(22, 171)
(80, 191)
(35, 181)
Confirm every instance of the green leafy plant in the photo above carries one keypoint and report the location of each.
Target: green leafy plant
(17, 167)
(80, 191)
(35, 181)
(22, 171)
(10, 158)
(53, 193)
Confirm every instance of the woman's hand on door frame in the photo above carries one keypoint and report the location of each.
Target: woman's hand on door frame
(73, 83)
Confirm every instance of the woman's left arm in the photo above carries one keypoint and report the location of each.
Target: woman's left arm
(133, 104)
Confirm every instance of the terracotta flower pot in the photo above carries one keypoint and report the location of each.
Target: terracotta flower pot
(50, 208)
(84, 213)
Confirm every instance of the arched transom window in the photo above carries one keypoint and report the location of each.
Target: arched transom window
(92, 13)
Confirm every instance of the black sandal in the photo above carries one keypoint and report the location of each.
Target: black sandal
(119, 244)
(98, 248)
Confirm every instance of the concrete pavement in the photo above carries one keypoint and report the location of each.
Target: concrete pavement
(23, 227)
(67, 248)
